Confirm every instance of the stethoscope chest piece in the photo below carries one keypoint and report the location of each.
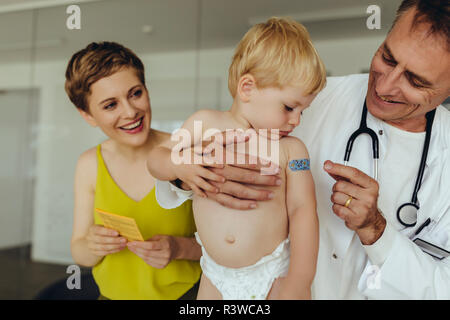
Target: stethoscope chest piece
(407, 214)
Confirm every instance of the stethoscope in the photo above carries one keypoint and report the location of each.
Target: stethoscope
(407, 212)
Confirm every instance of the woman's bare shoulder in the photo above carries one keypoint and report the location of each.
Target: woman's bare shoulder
(86, 169)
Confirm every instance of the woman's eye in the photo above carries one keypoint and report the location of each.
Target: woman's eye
(109, 106)
(288, 108)
(137, 93)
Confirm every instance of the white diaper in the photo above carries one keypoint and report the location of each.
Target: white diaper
(247, 283)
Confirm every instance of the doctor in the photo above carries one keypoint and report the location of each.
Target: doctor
(365, 251)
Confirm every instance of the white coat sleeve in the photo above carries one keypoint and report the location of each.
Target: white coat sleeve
(169, 196)
(404, 271)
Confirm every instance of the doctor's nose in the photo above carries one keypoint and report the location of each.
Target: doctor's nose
(387, 83)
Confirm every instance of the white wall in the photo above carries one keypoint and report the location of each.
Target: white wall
(62, 135)
(16, 176)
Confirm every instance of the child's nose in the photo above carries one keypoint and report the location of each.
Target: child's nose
(295, 121)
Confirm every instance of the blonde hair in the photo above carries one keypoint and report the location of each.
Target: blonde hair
(278, 53)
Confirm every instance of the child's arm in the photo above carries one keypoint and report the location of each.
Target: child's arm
(162, 166)
(90, 242)
(303, 222)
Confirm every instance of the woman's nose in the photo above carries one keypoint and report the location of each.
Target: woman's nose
(129, 110)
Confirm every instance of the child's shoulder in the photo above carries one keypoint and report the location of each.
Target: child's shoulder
(207, 115)
(296, 155)
(293, 147)
(209, 118)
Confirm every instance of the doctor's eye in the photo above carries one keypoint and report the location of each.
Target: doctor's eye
(388, 60)
(414, 81)
(288, 108)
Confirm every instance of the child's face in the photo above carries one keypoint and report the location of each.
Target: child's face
(274, 108)
(119, 104)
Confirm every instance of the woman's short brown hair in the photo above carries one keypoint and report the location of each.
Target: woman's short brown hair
(96, 61)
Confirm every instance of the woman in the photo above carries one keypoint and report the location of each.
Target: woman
(106, 83)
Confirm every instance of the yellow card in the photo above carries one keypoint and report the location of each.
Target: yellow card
(126, 226)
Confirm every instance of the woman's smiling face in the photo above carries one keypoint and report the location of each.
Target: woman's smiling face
(120, 106)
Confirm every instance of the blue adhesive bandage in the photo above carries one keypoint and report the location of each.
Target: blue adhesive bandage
(300, 164)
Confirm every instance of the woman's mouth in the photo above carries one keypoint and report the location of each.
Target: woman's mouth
(134, 127)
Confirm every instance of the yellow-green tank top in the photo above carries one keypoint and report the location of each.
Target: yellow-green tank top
(124, 275)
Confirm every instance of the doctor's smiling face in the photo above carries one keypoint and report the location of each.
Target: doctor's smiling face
(408, 75)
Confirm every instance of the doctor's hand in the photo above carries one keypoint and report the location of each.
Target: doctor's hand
(355, 198)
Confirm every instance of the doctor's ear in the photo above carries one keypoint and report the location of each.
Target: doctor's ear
(246, 86)
(88, 117)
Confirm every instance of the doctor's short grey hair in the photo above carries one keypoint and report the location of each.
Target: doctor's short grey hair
(433, 12)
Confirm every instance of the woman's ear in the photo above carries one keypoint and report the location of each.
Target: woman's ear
(88, 117)
(246, 86)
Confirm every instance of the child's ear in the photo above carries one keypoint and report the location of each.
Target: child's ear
(246, 86)
(88, 117)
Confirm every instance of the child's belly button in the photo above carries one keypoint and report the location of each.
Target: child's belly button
(230, 239)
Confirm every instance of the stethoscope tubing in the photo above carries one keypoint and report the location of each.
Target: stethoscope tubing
(430, 119)
(363, 129)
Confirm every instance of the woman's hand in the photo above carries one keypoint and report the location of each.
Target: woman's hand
(103, 241)
(157, 251)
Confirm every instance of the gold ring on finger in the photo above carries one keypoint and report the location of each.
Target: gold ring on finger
(347, 203)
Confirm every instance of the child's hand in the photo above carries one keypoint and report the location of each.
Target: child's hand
(195, 176)
(103, 241)
(284, 288)
(157, 251)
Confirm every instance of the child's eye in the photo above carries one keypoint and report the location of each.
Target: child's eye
(288, 108)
